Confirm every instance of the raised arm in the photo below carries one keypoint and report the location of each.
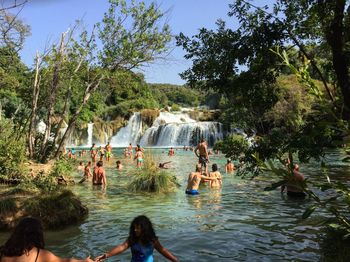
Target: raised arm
(166, 253)
(46, 255)
(115, 251)
(208, 177)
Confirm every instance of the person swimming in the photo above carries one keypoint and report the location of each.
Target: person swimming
(141, 240)
(119, 165)
(194, 179)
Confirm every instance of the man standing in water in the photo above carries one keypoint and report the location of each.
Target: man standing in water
(87, 173)
(99, 176)
(194, 179)
(203, 157)
(108, 149)
(93, 153)
(294, 189)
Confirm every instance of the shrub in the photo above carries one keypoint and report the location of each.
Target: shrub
(232, 145)
(63, 167)
(12, 150)
(57, 210)
(7, 205)
(175, 107)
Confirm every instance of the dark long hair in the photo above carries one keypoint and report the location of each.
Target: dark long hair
(147, 232)
(27, 234)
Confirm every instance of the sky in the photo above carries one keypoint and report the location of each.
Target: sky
(49, 18)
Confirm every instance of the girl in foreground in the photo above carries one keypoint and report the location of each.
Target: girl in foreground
(142, 240)
(27, 244)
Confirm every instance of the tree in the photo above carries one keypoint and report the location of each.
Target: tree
(216, 56)
(12, 30)
(75, 68)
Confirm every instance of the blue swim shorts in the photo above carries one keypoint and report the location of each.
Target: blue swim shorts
(192, 192)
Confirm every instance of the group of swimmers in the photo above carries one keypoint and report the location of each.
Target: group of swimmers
(98, 174)
(201, 174)
(26, 243)
(105, 151)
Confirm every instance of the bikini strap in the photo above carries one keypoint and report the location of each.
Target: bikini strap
(37, 254)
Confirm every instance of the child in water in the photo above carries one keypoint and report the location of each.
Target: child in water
(142, 240)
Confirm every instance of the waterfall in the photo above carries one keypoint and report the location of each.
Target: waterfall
(90, 131)
(180, 130)
(169, 129)
(131, 133)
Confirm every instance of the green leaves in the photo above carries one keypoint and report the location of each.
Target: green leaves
(275, 185)
(308, 211)
(132, 35)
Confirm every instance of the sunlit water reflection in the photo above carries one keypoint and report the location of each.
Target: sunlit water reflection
(241, 222)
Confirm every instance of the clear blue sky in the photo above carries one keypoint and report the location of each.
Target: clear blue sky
(49, 18)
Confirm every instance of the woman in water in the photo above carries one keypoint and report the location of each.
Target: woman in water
(27, 244)
(142, 240)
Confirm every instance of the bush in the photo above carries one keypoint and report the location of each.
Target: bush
(7, 205)
(175, 107)
(12, 150)
(232, 146)
(63, 167)
(56, 210)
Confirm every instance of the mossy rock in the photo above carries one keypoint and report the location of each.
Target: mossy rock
(56, 211)
(149, 115)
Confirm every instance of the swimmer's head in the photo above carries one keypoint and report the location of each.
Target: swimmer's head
(296, 167)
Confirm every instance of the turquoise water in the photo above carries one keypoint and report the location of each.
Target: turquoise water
(240, 222)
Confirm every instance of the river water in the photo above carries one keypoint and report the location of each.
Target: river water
(240, 222)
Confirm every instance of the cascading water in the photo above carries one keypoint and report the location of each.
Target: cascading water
(131, 133)
(90, 131)
(180, 130)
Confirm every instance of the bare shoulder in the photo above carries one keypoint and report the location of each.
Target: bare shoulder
(46, 255)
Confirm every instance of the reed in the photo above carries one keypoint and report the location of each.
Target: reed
(152, 179)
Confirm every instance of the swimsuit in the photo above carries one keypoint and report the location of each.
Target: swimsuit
(139, 160)
(142, 253)
(191, 192)
(203, 160)
(296, 194)
(108, 154)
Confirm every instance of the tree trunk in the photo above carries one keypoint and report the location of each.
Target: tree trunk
(36, 90)
(335, 39)
(52, 99)
(88, 91)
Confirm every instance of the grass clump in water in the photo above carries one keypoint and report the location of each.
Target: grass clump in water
(152, 179)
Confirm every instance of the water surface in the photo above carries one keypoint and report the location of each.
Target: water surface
(240, 222)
